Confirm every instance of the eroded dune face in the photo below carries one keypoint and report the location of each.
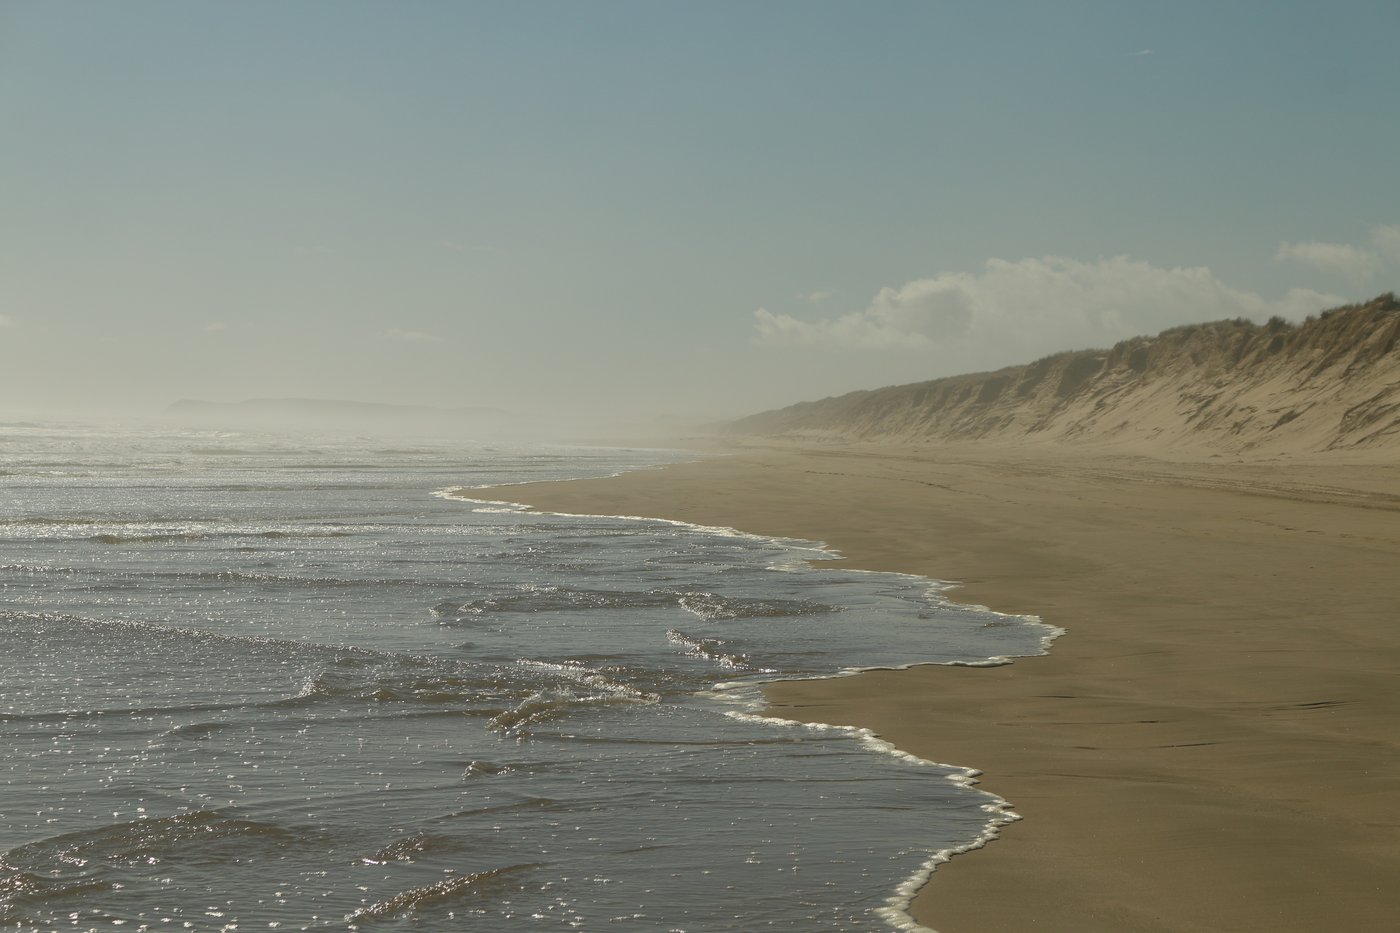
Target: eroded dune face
(1329, 384)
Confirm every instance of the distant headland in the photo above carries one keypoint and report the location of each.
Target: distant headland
(1329, 384)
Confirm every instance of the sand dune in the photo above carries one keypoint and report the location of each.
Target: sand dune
(1329, 384)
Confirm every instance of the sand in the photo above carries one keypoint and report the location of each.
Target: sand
(1214, 745)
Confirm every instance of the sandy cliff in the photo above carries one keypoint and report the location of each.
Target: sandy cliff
(1331, 383)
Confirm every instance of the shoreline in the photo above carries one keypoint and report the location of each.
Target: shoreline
(999, 813)
(1210, 747)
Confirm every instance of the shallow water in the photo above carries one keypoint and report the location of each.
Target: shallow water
(260, 682)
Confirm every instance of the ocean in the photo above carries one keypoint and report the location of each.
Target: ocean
(299, 683)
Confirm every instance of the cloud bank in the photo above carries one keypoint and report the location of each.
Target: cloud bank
(1387, 242)
(1034, 306)
(1358, 263)
(1336, 258)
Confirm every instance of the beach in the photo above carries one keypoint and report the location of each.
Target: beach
(1213, 743)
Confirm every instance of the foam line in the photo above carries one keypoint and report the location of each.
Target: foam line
(748, 693)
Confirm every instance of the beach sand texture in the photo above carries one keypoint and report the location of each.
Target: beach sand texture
(1214, 745)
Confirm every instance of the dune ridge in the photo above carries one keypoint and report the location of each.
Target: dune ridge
(1331, 383)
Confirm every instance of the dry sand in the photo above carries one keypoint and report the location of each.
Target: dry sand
(1214, 745)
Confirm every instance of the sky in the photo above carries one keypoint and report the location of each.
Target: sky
(663, 209)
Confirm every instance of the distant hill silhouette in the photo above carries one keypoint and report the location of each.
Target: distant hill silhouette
(1331, 383)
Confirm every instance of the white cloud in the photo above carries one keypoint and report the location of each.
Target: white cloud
(1033, 306)
(408, 336)
(1140, 53)
(213, 327)
(1336, 258)
(6, 322)
(1387, 242)
(815, 298)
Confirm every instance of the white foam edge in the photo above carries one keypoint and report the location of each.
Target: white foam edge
(450, 492)
(935, 590)
(817, 549)
(896, 910)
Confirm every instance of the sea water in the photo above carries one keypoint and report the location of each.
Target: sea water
(286, 683)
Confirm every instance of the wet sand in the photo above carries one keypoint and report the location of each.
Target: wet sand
(1214, 745)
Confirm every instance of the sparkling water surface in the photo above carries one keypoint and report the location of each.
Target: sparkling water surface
(260, 682)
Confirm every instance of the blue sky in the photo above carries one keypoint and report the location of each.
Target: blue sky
(695, 208)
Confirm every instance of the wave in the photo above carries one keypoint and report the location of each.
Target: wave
(324, 672)
(584, 687)
(166, 536)
(65, 520)
(70, 624)
(715, 608)
(19, 888)
(576, 672)
(83, 866)
(711, 649)
(412, 848)
(156, 530)
(66, 717)
(397, 679)
(550, 598)
(203, 836)
(486, 768)
(409, 904)
(149, 538)
(711, 607)
(221, 577)
(196, 731)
